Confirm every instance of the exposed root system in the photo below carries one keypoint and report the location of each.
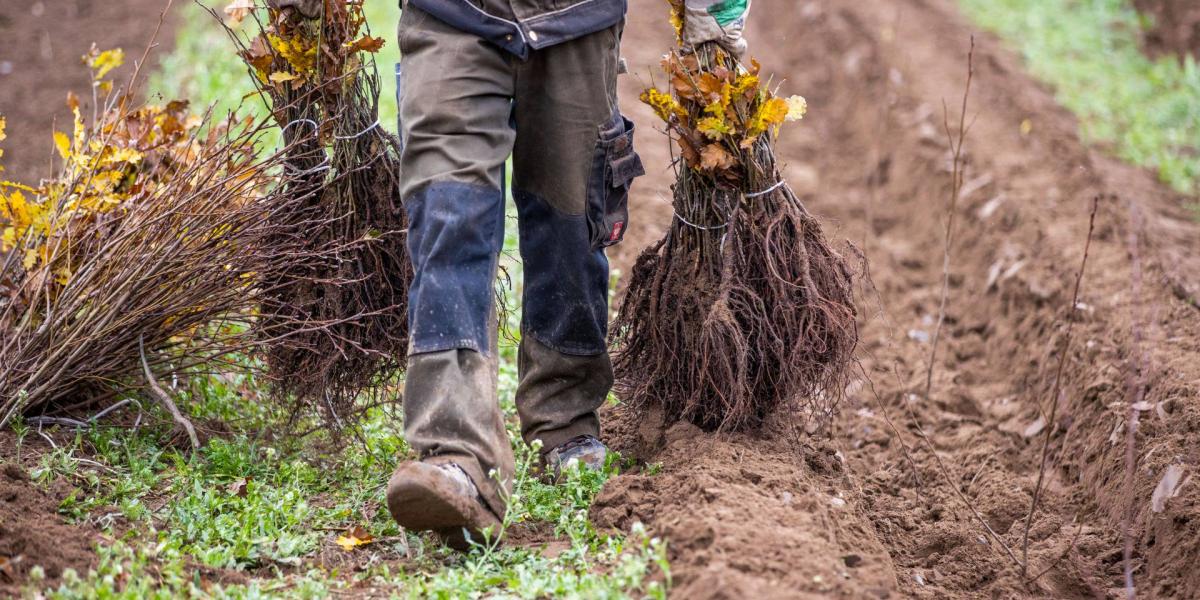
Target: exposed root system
(341, 316)
(744, 306)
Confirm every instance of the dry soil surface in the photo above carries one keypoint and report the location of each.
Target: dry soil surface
(1176, 26)
(872, 512)
(40, 61)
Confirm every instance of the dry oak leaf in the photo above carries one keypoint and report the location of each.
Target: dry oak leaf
(688, 148)
(354, 537)
(366, 43)
(714, 157)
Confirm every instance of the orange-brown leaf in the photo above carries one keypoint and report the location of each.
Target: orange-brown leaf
(714, 157)
(710, 86)
(689, 150)
(366, 43)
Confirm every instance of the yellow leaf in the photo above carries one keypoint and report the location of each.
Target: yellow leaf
(128, 155)
(354, 537)
(299, 52)
(745, 83)
(280, 77)
(63, 143)
(62, 275)
(677, 19)
(797, 108)
(15, 185)
(713, 127)
(663, 104)
(103, 62)
(3, 124)
(774, 111)
(30, 259)
(771, 112)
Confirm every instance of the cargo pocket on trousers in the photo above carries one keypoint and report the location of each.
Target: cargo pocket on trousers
(614, 167)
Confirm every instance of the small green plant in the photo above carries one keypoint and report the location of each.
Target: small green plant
(20, 429)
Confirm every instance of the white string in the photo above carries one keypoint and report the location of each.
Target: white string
(309, 121)
(324, 166)
(359, 134)
(778, 185)
(708, 228)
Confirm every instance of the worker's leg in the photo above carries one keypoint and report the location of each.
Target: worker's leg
(455, 113)
(573, 163)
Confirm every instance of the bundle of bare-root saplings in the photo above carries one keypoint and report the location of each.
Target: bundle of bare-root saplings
(743, 306)
(148, 253)
(340, 316)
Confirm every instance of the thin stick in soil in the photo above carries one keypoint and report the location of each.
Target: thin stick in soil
(956, 144)
(1054, 392)
(1135, 394)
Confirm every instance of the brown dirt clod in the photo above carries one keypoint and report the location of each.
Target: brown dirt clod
(33, 534)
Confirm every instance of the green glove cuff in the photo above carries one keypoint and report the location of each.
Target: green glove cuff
(729, 11)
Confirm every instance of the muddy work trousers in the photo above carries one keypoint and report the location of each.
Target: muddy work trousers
(465, 106)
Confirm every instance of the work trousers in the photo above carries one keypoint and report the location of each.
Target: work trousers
(465, 106)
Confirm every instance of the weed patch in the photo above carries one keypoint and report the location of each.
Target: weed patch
(1088, 50)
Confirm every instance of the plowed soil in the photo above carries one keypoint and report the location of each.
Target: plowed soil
(870, 513)
(33, 534)
(40, 61)
(1176, 26)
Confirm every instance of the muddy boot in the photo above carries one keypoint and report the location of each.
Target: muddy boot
(442, 499)
(583, 450)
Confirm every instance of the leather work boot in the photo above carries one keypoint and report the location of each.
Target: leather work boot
(442, 499)
(586, 450)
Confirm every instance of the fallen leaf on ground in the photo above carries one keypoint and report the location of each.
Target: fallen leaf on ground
(354, 537)
(1035, 427)
(239, 488)
(1168, 487)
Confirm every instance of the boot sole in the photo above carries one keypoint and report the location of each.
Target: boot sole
(421, 499)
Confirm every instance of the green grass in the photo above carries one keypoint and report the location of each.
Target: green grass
(268, 507)
(1147, 111)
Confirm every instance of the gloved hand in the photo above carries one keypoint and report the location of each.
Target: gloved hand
(720, 21)
(309, 9)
